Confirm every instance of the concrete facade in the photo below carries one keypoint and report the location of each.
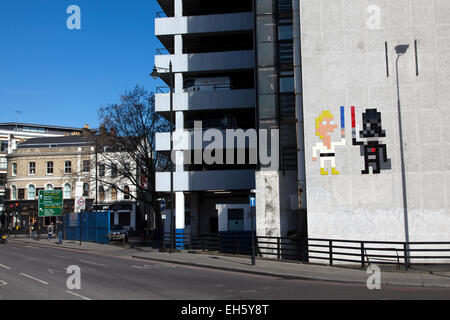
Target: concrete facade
(349, 59)
(190, 35)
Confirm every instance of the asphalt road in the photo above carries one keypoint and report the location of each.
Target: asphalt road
(37, 272)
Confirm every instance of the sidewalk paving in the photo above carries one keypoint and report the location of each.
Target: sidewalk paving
(69, 244)
(297, 270)
(280, 269)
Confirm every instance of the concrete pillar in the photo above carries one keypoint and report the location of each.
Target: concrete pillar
(178, 4)
(179, 219)
(268, 204)
(178, 43)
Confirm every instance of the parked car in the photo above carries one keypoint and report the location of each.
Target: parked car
(117, 232)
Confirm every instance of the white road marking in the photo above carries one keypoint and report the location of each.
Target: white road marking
(3, 283)
(137, 267)
(78, 295)
(33, 247)
(246, 291)
(5, 267)
(94, 263)
(58, 256)
(33, 278)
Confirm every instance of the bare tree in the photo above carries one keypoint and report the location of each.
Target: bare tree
(125, 145)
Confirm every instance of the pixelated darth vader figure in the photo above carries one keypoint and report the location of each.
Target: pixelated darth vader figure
(373, 151)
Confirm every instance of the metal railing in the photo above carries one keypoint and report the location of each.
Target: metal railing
(329, 251)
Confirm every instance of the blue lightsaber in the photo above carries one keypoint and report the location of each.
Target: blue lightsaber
(342, 118)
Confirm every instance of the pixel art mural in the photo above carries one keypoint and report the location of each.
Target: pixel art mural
(325, 125)
(373, 151)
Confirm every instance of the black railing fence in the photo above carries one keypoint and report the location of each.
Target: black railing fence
(328, 251)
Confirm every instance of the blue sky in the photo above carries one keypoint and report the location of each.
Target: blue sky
(58, 76)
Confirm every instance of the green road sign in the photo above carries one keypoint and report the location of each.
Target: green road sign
(50, 203)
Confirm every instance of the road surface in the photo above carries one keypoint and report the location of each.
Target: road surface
(38, 272)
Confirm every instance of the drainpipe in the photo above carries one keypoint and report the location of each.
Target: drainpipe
(299, 109)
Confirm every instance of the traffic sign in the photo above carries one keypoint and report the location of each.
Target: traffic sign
(80, 203)
(162, 204)
(252, 201)
(50, 203)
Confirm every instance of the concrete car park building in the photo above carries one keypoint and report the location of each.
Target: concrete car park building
(211, 46)
(324, 73)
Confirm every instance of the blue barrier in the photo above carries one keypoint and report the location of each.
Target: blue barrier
(95, 226)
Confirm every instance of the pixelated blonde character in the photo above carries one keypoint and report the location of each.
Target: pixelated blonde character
(325, 125)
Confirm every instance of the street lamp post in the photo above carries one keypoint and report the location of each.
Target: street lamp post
(155, 74)
(401, 50)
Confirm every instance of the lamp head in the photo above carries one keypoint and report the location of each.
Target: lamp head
(155, 73)
(401, 49)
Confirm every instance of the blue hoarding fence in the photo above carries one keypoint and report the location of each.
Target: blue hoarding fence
(87, 226)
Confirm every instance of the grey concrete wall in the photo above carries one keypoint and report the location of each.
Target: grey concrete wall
(276, 201)
(344, 64)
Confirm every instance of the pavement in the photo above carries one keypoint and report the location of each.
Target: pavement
(265, 267)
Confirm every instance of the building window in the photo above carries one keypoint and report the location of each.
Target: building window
(14, 169)
(68, 167)
(287, 104)
(49, 187)
(126, 193)
(86, 166)
(21, 194)
(124, 218)
(113, 194)
(86, 190)
(101, 170)
(3, 163)
(4, 147)
(101, 194)
(113, 170)
(287, 84)
(14, 193)
(285, 32)
(50, 167)
(67, 191)
(32, 168)
(31, 192)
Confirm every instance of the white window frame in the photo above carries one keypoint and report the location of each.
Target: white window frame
(13, 192)
(64, 191)
(29, 169)
(28, 189)
(53, 168)
(5, 161)
(14, 169)
(65, 167)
